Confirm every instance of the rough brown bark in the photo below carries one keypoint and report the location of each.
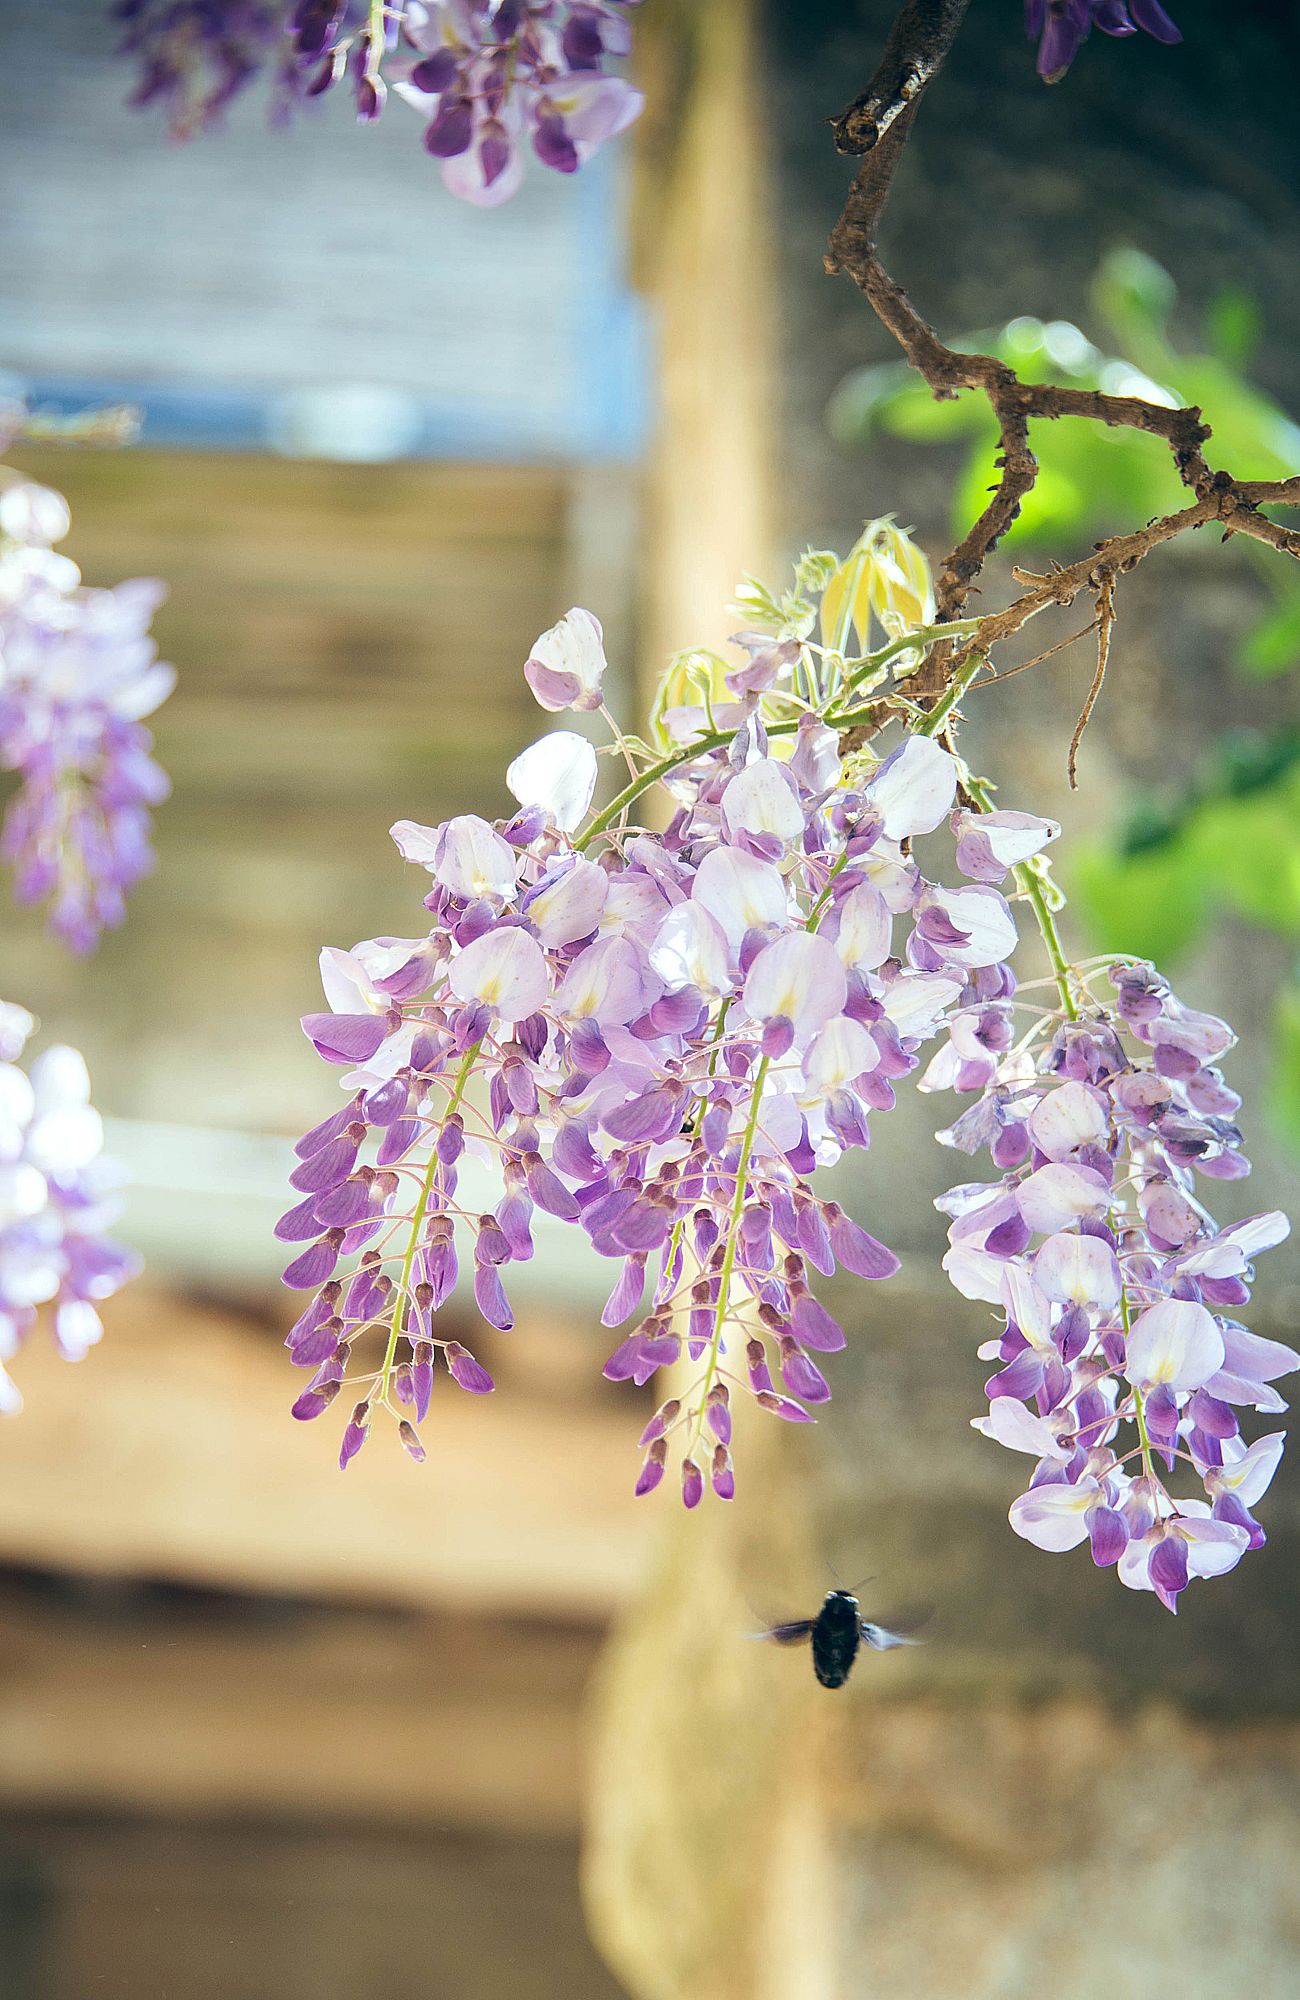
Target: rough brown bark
(875, 127)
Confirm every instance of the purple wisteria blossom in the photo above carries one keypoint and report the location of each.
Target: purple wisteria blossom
(57, 1198)
(1061, 26)
(78, 672)
(490, 77)
(194, 57)
(494, 75)
(1121, 1360)
(655, 1037)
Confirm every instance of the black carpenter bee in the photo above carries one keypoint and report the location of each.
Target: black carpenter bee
(836, 1633)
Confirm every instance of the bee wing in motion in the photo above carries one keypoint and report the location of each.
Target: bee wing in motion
(901, 1631)
(790, 1634)
(884, 1641)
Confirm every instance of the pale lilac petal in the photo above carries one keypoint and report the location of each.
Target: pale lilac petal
(347, 986)
(762, 799)
(1213, 1547)
(1078, 1270)
(842, 1051)
(740, 892)
(568, 903)
(594, 108)
(864, 932)
(986, 920)
(690, 949)
(988, 844)
(567, 664)
(1027, 1304)
(797, 978)
(974, 1273)
(916, 1002)
(1053, 1517)
(505, 970)
(610, 983)
(1056, 1195)
(1069, 1117)
(914, 788)
(1009, 1423)
(1250, 1476)
(1177, 1342)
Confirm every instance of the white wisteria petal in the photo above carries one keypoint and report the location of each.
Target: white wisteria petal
(505, 970)
(1058, 1194)
(348, 988)
(1009, 1423)
(762, 800)
(22, 1191)
(914, 788)
(741, 892)
(474, 861)
(1078, 1270)
(1251, 1475)
(610, 983)
(842, 1051)
(569, 901)
(988, 844)
(797, 978)
(1213, 1547)
(916, 1002)
(984, 916)
(1052, 1517)
(557, 773)
(975, 1273)
(865, 929)
(690, 949)
(1026, 1303)
(1068, 1117)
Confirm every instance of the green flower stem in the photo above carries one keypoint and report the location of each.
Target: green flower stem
(948, 701)
(955, 628)
(376, 36)
(815, 914)
(729, 1251)
(1139, 1408)
(714, 739)
(1030, 882)
(417, 1223)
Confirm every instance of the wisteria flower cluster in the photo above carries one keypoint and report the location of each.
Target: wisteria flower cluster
(1122, 1360)
(78, 673)
(1060, 27)
(672, 1030)
(657, 1036)
(57, 1199)
(489, 76)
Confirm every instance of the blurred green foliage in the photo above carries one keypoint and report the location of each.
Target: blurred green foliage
(1229, 842)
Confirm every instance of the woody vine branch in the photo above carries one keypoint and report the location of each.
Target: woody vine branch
(875, 128)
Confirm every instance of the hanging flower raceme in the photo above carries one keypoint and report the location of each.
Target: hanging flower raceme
(78, 672)
(490, 77)
(194, 57)
(1060, 27)
(1122, 1363)
(654, 1037)
(57, 1198)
